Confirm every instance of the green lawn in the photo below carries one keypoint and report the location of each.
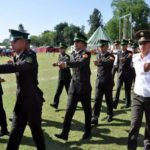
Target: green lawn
(107, 136)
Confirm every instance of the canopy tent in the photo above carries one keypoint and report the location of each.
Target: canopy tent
(97, 35)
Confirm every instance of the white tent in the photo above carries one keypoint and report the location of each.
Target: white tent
(99, 34)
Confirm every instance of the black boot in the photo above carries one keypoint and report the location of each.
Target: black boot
(4, 132)
(54, 106)
(109, 118)
(62, 136)
(94, 121)
(115, 104)
(147, 147)
(86, 135)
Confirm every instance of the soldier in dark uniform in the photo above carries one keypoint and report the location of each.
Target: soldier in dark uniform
(80, 86)
(124, 74)
(29, 101)
(3, 122)
(64, 75)
(33, 53)
(104, 82)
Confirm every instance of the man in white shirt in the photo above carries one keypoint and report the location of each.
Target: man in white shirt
(141, 99)
(115, 52)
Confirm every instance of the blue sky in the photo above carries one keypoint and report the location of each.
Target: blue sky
(40, 15)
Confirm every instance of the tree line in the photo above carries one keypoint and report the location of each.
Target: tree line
(64, 32)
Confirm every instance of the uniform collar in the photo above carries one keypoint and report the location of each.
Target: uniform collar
(145, 57)
(19, 54)
(103, 54)
(78, 52)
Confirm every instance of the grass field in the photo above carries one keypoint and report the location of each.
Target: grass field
(107, 136)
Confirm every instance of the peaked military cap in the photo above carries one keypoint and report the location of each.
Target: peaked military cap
(135, 45)
(116, 42)
(143, 36)
(124, 42)
(103, 42)
(130, 41)
(15, 34)
(80, 37)
(62, 45)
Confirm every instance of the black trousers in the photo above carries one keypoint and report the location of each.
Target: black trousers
(60, 86)
(127, 84)
(99, 92)
(139, 106)
(71, 107)
(20, 120)
(3, 122)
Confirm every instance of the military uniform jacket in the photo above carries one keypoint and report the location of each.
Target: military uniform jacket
(29, 96)
(64, 74)
(80, 64)
(104, 69)
(125, 69)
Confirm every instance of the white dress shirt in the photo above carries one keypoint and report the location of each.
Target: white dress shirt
(142, 81)
(115, 53)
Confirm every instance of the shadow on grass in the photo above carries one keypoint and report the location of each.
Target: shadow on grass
(3, 140)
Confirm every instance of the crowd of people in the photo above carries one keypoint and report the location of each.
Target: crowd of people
(130, 59)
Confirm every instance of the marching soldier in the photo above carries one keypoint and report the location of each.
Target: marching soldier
(104, 82)
(64, 75)
(80, 86)
(29, 101)
(135, 48)
(124, 74)
(3, 122)
(130, 43)
(141, 98)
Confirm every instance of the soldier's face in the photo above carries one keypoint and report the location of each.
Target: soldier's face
(144, 47)
(62, 50)
(117, 46)
(103, 49)
(18, 45)
(124, 47)
(79, 45)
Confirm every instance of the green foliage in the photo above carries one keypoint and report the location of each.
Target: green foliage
(111, 26)
(62, 33)
(69, 33)
(5, 43)
(48, 38)
(95, 20)
(35, 40)
(138, 8)
(65, 32)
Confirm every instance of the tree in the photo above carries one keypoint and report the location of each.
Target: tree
(48, 38)
(60, 31)
(69, 33)
(65, 32)
(6, 43)
(138, 8)
(112, 28)
(95, 20)
(21, 28)
(35, 40)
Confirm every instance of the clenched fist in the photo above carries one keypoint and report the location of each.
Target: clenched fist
(147, 67)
